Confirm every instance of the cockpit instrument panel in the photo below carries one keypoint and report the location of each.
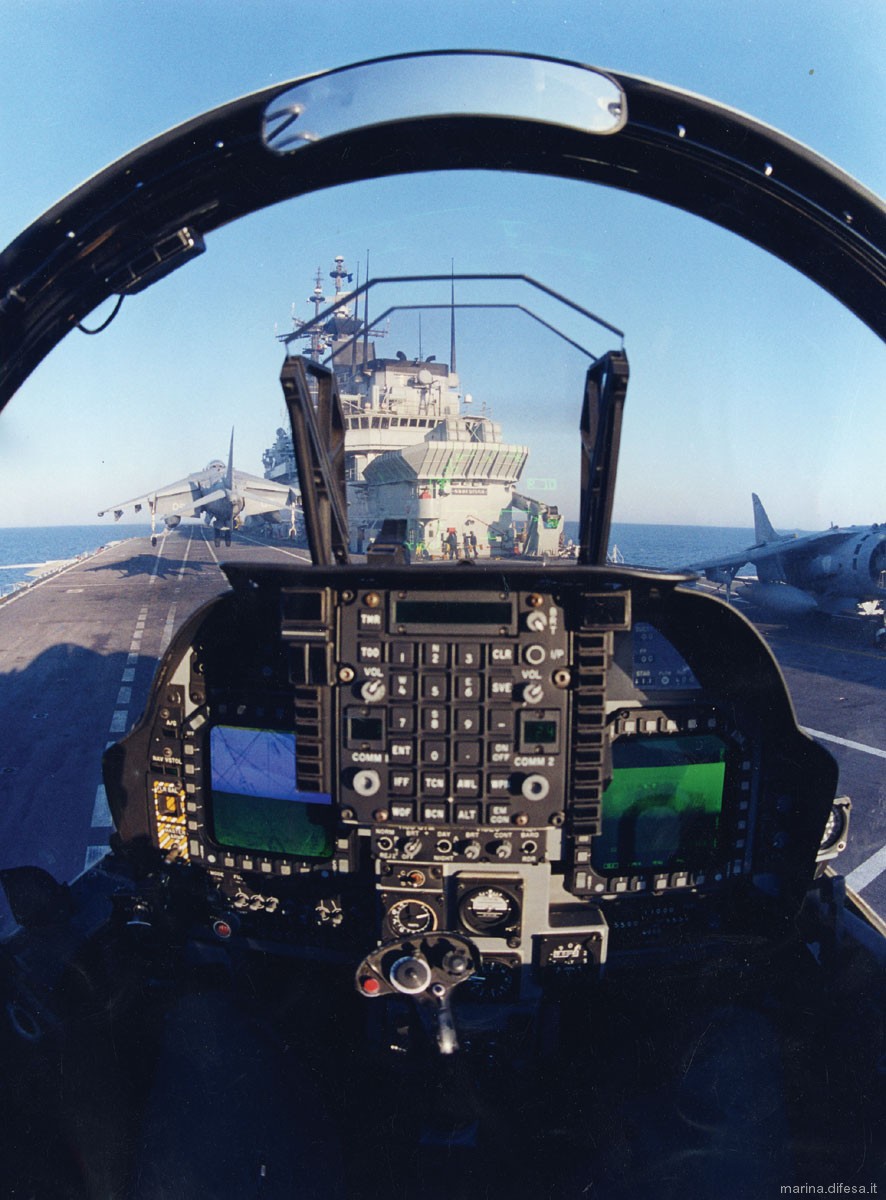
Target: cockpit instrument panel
(545, 761)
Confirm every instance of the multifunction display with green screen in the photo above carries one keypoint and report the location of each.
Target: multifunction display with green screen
(661, 812)
(256, 803)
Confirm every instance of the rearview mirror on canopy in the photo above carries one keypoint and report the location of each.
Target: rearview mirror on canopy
(511, 86)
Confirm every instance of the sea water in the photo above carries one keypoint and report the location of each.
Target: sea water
(25, 551)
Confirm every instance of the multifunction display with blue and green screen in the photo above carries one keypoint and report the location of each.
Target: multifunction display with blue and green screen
(661, 812)
(256, 803)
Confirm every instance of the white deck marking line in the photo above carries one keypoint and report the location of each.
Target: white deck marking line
(830, 737)
(867, 871)
(302, 555)
(118, 721)
(210, 547)
(160, 549)
(181, 569)
(124, 697)
(168, 629)
(101, 813)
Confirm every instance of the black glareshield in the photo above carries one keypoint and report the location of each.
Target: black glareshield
(151, 211)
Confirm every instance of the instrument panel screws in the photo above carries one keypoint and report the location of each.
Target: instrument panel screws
(372, 600)
(534, 600)
(556, 819)
(380, 815)
(521, 819)
(346, 674)
(561, 678)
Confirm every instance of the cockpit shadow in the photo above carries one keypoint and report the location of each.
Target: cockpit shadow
(58, 712)
(152, 564)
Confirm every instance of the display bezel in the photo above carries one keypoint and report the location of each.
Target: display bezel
(694, 764)
(292, 808)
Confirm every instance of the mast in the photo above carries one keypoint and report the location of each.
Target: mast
(452, 367)
(366, 317)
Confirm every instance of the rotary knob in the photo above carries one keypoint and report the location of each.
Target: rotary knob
(533, 693)
(366, 782)
(535, 787)
(372, 691)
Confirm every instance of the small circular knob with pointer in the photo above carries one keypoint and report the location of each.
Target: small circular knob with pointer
(373, 691)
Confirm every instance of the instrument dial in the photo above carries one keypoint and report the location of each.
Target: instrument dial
(488, 910)
(494, 981)
(409, 917)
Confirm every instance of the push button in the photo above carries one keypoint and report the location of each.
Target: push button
(369, 652)
(434, 687)
(467, 783)
(402, 783)
(500, 687)
(501, 722)
(467, 814)
(401, 719)
(467, 654)
(402, 686)
(434, 783)
(468, 687)
(468, 720)
(435, 654)
(433, 719)
(433, 812)
(433, 753)
(467, 754)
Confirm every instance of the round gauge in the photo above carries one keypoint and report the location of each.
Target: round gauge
(409, 917)
(494, 981)
(488, 910)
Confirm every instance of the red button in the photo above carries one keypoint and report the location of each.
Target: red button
(370, 985)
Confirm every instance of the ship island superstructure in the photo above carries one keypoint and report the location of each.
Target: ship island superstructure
(416, 451)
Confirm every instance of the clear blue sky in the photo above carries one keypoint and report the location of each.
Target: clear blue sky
(744, 376)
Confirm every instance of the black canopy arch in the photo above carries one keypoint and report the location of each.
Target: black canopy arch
(150, 211)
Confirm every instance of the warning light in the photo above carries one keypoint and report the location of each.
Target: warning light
(370, 985)
(222, 929)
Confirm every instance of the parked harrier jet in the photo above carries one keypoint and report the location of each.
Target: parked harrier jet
(222, 496)
(833, 571)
